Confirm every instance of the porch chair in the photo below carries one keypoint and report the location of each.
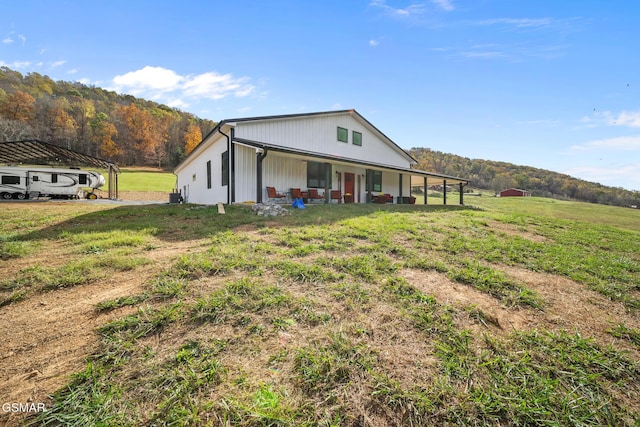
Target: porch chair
(313, 194)
(336, 195)
(296, 193)
(273, 194)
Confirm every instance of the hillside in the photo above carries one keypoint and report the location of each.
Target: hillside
(497, 176)
(94, 121)
(138, 132)
(513, 312)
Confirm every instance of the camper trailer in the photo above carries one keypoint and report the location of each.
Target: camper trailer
(31, 182)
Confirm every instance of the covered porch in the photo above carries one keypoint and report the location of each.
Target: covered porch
(282, 174)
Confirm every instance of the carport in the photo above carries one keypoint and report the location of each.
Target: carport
(35, 152)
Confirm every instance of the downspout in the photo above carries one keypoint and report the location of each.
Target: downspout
(259, 158)
(228, 168)
(232, 167)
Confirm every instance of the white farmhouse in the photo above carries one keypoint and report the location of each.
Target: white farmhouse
(338, 155)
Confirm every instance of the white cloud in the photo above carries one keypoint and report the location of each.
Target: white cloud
(602, 118)
(373, 43)
(7, 40)
(518, 22)
(626, 176)
(443, 4)
(16, 64)
(169, 87)
(148, 79)
(411, 10)
(58, 63)
(622, 143)
(626, 118)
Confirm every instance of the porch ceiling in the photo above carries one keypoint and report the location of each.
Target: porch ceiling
(417, 176)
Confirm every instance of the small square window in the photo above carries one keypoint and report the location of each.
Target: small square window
(357, 138)
(343, 134)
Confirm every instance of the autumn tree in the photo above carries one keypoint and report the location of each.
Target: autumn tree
(102, 134)
(18, 106)
(192, 137)
(55, 123)
(137, 134)
(83, 111)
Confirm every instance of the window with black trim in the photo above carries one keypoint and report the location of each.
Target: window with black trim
(10, 180)
(208, 173)
(225, 168)
(375, 178)
(82, 179)
(54, 178)
(356, 139)
(343, 134)
(317, 175)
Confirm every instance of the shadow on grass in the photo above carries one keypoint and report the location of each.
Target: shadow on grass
(186, 222)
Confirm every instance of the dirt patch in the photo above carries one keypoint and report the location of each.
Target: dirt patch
(154, 196)
(567, 305)
(48, 336)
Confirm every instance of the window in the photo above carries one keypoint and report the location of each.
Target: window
(357, 138)
(343, 134)
(36, 178)
(10, 180)
(317, 175)
(209, 174)
(375, 178)
(225, 168)
(54, 178)
(82, 179)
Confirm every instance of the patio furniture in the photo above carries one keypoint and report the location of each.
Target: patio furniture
(336, 195)
(273, 194)
(313, 194)
(296, 193)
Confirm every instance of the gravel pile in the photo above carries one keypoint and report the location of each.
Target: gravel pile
(270, 209)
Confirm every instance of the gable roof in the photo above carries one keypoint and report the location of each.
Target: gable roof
(39, 152)
(351, 112)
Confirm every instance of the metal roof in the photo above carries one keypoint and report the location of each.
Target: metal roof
(39, 152)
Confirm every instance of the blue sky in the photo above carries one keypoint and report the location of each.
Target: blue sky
(545, 83)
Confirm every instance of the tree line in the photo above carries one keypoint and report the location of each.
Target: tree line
(496, 176)
(133, 131)
(100, 123)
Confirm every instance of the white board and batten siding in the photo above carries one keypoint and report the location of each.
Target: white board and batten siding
(313, 133)
(318, 134)
(192, 178)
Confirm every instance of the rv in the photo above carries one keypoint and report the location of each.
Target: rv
(31, 182)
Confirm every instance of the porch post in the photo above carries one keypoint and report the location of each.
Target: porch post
(232, 167)
(444, 187)
(425, 190)
(327, 183)
(400, 190)
(369, 183)
(259, 157)
(461, 195)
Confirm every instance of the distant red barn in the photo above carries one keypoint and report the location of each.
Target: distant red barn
(514, 192)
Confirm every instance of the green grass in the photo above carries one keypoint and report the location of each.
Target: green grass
(322, 317)
(144, 180)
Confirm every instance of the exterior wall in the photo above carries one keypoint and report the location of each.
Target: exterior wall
(286, 172)
(192, 179)
(319, 134)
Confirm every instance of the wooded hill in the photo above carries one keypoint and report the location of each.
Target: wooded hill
(497, 176)
(94, 121)
(134, 131)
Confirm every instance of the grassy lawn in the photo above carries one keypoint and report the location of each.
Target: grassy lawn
(343, 315)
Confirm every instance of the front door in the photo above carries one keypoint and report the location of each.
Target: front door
(349, 187)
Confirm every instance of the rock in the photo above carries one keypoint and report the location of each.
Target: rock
(270, 209)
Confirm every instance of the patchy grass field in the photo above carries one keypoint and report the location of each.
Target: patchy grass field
(512, 312)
